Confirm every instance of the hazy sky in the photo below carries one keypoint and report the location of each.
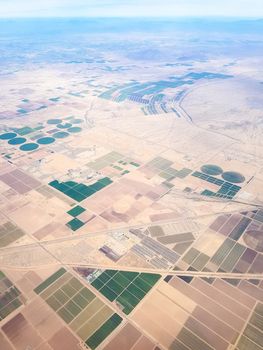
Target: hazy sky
(113, 8)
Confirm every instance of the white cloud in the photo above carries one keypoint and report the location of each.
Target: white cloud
(245, 8)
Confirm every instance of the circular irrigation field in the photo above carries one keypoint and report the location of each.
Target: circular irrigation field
(45, 140)
(29, 147)
(234, 177)
(211, 169)
(17, 141)
(8, 136)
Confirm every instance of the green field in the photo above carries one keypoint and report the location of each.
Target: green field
(108, 327)
(76, 211)
(50, 280)
(79, 191)
(126, 288)
(10, 296)
(86, 314)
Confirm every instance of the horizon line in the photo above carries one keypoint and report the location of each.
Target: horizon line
(136, 17)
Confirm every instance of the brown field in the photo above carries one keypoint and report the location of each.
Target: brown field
(42, 318)
(94, 306)
(65, 340)
(143, 344)
(125, 339)
(21, 333)
(94, 322)
(4, 343)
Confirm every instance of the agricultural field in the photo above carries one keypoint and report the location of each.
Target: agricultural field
(125, 288)
(11, 297)
(131, 177)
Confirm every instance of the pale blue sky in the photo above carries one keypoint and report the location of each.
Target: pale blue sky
(119, 8)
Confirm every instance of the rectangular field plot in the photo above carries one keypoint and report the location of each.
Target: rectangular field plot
(105, 160)
(226, 189)
(76, 211)
(107, 328)
(75, 224)
(87, 315)
(126, 288)
(253, 333)
(50, 280)
(238, 247)
(10, 297)
(217, 315)
(129, 338)
(79, 191)
(9, 233)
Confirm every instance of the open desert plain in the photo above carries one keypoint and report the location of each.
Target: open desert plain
(131, 184)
